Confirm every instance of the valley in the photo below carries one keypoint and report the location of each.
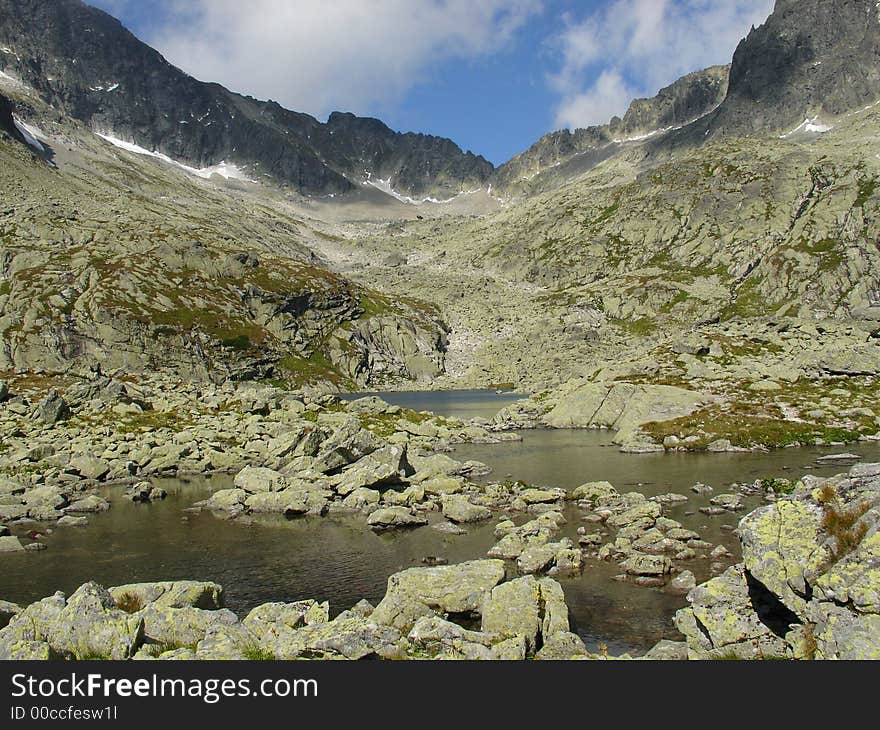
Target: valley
(233, 334)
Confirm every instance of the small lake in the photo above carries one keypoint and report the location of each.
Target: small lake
(340, 559)
(462, 404)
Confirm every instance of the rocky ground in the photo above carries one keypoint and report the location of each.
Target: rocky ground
(293, 453)
(807, 588)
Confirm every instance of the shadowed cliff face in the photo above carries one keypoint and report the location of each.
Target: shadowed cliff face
(7, 125)
(87, 64)
(811, 58)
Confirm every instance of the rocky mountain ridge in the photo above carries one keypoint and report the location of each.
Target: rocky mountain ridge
(85, 63)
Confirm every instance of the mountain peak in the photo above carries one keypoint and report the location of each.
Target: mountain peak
(85, 63)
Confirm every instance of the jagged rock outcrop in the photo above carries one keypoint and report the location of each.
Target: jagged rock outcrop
(808, 586)
(421, 616)
(811, 59)
(85, 63)
(678, 104)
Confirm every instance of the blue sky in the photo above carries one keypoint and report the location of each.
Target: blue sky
(494, 75)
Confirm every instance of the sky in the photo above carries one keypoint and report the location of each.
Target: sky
(493, 75)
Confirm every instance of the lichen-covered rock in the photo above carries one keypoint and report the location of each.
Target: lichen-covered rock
(595, 492)
(394, 517)
(287, 502)
(667, 650)
(780, 545)
(259, 479)
(722, 620)
(562, 646)
(362, 499)
(272, 618)
(90, 503)
(349, 638)
(843, 634)
(459, 508)
(348, 444)
(452, 589)
(172, 594)
(181, 627)
(525, 607)
(385, 466)
(87, 625)
(539, 558)
(855, 580)
(226, 500)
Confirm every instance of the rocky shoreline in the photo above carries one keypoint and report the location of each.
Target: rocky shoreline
(808, 588)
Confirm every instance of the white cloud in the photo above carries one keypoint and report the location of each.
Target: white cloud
(320, 55)
(632, 48)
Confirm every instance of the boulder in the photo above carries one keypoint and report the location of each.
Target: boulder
(227, 500)
(782, 550)
(383, 467)
(288, 502)
(352, 637)
(452, 589)
(562, 646)
(173, 594)
(184, 627)
(10, 544)
(458, 508)
(392, 517)
(595, 492)
(89, 467)
(722, 621)
(53, 408)
(349, 443)
(270, 620)
(525, 607)
(86, 626)
(258, 479)
(89, 504)
(362, 499)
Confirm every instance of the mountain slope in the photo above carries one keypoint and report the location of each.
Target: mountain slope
(110, 261)
(85, 63)
(680, 103)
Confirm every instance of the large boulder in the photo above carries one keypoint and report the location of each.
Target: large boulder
(287, 502)
(459, 508)
(383, 467)
(452, 589)
(53, 408)
(258, 479)
(526, 607)
(88, 625)
(782, 548)
(395, 517)
(172, 594)
(349, 443)
(722, 621)
(182, 627)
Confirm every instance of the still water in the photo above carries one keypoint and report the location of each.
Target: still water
(339, 559)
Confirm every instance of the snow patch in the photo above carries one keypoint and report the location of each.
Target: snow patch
(224, 169)
(385, 187)
(12, 81)
(813, 126)
(29, 134)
